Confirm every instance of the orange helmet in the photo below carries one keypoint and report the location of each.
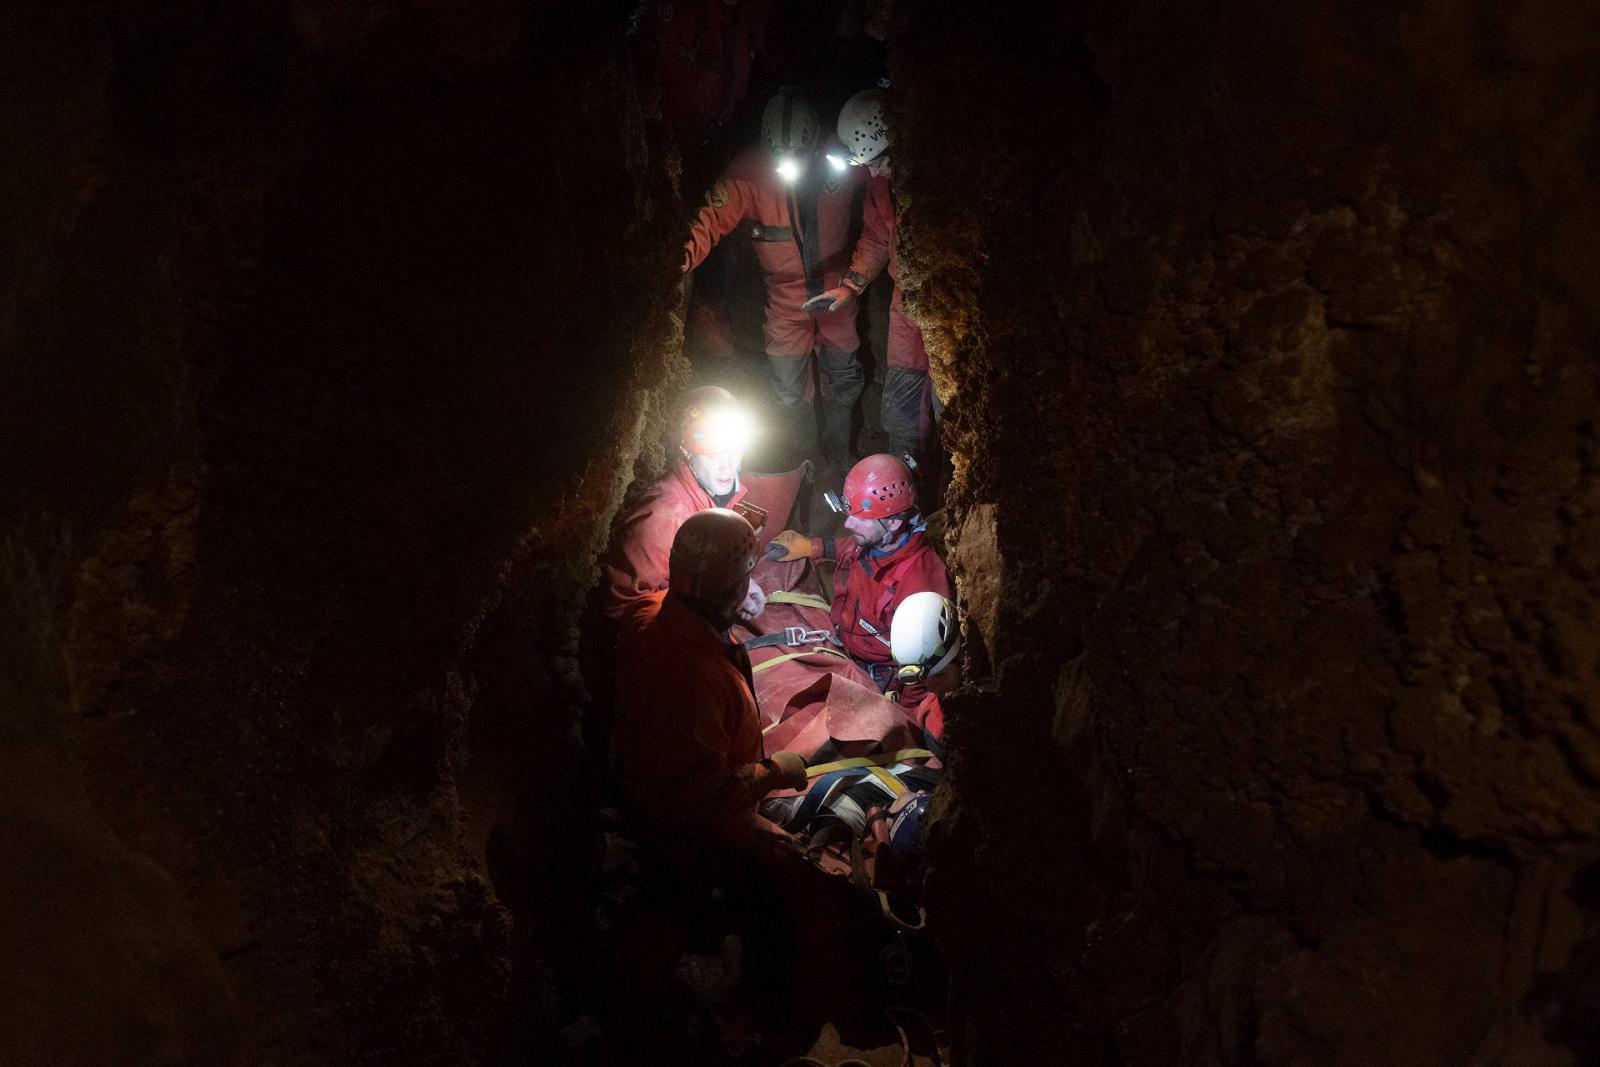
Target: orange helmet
(878, 487)
(712, 422)
(713, 554)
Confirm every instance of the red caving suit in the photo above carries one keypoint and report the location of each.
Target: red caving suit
(874, 251)
(750, 194)
(688, 739)
(870, 588)
(636, 565)
(697, 55)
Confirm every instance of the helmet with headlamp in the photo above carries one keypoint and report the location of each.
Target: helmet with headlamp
(863, 127)
(713, 423)
(790, 133)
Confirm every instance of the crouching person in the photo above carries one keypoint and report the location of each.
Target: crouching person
(688, 739)
(885, 558)
(690, 759)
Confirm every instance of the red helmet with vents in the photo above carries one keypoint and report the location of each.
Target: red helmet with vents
(879, 487)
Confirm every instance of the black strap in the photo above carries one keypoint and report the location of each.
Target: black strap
(766, 640)
(804, 204)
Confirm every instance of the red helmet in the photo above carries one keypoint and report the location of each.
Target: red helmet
(712, 422)
(878, 487)
(713, 554)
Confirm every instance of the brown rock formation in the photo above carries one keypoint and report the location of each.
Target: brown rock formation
(315, 329)
(1269, 333)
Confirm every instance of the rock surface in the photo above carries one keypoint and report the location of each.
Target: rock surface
(1269, 338)
(317, 328)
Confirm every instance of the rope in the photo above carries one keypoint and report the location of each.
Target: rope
(787, 656)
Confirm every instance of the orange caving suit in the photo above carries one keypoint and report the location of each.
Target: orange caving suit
(801, 237)
(773, 216)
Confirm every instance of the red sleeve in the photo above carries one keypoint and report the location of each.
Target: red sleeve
(729, 202)
(877, 234)
(638, 565)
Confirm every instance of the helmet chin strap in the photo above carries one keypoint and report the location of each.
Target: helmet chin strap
(915, 524)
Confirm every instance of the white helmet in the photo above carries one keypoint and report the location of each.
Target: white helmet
(862, 127)
(925, 632)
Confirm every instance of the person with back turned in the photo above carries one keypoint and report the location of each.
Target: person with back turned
(687, 738)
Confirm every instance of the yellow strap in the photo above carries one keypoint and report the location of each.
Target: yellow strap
(882, 759)
(787, 656)
(896, 787)
(805, 600)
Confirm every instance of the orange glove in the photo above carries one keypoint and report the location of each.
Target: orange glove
(833, 300)
(788, 547)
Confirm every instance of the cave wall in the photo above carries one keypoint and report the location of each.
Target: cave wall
(325, 330)
(1268, 332)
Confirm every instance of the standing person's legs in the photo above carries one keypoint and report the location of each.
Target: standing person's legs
(907, 391)
(790, 339)
(843, 382)
(907, 412)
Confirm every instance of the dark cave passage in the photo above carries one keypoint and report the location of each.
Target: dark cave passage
(336, 340)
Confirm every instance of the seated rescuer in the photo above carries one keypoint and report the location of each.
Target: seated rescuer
(925, 638)
(687, 737)
(887, 558)
(713, 431)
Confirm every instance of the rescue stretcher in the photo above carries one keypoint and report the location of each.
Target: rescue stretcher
(871, 767)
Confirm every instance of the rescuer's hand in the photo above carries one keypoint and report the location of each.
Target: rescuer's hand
(832, 300)
(788, 547)
(791, 770)
(755, 602)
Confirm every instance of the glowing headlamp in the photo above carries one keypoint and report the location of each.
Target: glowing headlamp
(789, 169)
(723, 430)
(838, 163)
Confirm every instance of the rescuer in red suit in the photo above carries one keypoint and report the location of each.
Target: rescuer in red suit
(713, 433)
(692, 766)
(908, 400)
(687, 735)
(796, 209)
(886, 558)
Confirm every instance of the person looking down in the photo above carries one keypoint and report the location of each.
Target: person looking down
(884, 558)
(687, 735)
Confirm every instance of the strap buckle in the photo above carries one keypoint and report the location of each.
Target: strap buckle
(799, 635)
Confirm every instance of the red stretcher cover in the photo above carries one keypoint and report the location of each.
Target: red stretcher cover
(778, 682)
(817, 702)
